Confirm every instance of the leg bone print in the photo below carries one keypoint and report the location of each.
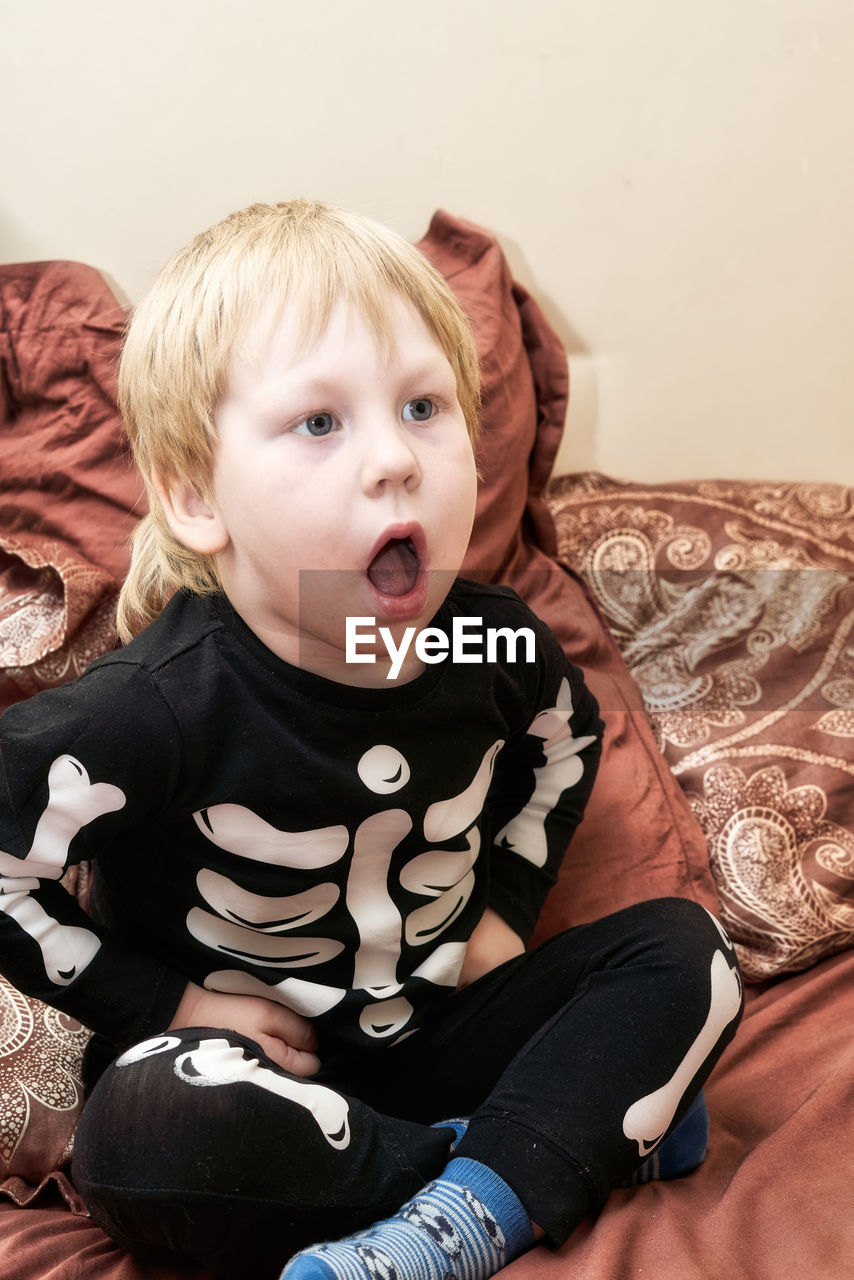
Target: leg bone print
(646, 1120)
(216, 1062)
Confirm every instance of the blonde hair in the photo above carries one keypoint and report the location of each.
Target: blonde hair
(182, 336)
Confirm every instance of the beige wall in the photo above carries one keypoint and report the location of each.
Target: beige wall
(674, 179)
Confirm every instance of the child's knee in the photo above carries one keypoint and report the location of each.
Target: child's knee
(701, 958)
(685, 925)
(131, 1131)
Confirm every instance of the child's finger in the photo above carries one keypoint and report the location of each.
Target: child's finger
(297, 1061)
(296, 1031)
(285, 1025)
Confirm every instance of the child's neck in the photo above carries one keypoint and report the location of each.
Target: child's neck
(308, 653)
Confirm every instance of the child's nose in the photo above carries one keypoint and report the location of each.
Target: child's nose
(389, 459)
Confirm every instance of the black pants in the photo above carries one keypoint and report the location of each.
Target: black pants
(572, 1060)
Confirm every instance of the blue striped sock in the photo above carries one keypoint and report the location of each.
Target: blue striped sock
(467, 1224)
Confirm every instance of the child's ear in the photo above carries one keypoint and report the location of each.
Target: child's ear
(193, 519)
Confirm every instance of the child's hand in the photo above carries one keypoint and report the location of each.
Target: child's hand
(492, 942)
(284, 1036)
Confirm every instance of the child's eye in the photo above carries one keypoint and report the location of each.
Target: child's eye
(419, 410)
(316, 424)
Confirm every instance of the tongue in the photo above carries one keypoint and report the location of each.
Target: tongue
(394, 569)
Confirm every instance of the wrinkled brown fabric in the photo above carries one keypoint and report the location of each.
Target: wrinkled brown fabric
(64, 472)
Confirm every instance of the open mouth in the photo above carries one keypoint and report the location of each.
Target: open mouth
(394, 569)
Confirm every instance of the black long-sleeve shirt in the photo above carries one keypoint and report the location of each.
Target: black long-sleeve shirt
(259, 829)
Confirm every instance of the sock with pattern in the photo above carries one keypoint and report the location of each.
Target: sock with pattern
(467, 1224)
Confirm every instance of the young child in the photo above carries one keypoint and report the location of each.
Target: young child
(325, 790)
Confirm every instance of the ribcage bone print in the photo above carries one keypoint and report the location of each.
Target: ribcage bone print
(259, 930)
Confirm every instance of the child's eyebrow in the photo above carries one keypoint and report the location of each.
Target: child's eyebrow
(293, 384)
(427, 363)
(431, 372)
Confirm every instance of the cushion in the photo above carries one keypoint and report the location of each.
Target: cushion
(525, 391)
(41, 1052)
(65, 472)
(733, 606)
(57, 613)
(67, 489)
(41, 1095)
(639, 838)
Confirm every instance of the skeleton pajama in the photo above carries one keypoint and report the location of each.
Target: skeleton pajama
(258, 829)
(573, 1062)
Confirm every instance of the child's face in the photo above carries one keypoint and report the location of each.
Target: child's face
(348, 461)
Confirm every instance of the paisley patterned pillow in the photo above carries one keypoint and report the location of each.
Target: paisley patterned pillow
(57, 614)
(41, 1054)
(40, 1093)
(733, 604)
